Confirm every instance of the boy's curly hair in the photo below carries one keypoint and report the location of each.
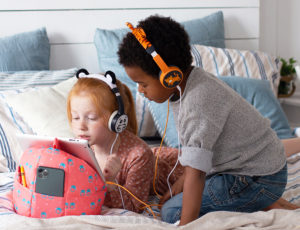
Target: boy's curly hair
(169, 39)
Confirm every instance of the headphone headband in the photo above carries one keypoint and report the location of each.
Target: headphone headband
(170, 76)
(109, 77)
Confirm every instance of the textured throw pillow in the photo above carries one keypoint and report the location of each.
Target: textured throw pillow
(11, 123)
(25, 51)
(107, 44)
(257, 92)
(233, 62)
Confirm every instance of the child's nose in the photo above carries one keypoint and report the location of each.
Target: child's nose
(82, 125)
(140, 89)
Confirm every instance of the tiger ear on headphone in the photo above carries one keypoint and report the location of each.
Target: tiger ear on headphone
(170, 76)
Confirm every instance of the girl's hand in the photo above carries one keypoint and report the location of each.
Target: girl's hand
(177, 187)
(112, 167)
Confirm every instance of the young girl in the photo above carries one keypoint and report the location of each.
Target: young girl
(124, 158)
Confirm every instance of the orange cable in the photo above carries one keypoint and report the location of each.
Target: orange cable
(155, 172)
(146, 205)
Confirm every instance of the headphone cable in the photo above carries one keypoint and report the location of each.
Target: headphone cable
(179, 147)
(157, 155)
(111, 149)
(120, 186)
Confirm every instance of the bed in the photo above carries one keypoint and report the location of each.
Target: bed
(38, 60)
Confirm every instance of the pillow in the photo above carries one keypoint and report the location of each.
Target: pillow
(107, 44)
(233, 62)
(22, 79)
(25, 51)
(12, 123)
(257, 92)
(146, 127)
(44, 109)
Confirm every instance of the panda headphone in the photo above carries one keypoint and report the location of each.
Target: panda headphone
(170, 76)
(118, 119)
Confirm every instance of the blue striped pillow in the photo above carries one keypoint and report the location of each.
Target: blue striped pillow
(24, 79)
(10, 122)
(233, 62)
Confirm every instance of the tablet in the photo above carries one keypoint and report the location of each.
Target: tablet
(77, 147)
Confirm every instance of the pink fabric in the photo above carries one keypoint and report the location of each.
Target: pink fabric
(84, 190)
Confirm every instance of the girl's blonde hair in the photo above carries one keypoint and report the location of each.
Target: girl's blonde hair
(104, 100)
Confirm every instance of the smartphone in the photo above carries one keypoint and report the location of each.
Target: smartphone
(50, 181)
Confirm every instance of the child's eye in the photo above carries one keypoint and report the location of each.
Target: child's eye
(93, 118)
(75, 118)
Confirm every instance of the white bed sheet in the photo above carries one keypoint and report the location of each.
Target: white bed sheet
(122, 219)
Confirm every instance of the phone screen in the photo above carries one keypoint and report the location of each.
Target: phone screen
(50, 181)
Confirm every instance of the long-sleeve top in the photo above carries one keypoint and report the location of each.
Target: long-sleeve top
(137, 172)
(220, 132)
(135, 175)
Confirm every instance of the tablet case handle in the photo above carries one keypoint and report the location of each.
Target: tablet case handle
(55, 143)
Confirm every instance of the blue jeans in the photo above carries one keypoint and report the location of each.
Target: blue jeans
(225, 192)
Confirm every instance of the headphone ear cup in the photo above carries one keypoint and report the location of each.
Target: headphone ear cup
(117, 122)
(171, 78)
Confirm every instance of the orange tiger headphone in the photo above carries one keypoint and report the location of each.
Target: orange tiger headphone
(170, 76)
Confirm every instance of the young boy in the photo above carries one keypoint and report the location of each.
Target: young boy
(233, 159)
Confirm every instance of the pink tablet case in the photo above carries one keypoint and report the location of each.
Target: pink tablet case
(84, 190)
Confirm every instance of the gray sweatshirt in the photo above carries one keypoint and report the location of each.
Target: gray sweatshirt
(220, 132)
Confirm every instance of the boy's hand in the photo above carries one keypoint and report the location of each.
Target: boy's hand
(177, 187)
(112, 167)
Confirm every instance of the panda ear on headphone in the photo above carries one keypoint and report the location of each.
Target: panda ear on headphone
(111, 75)
(81, 71)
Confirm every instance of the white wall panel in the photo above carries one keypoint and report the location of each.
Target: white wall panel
(79, 26)
(76, 55)
(71, 24)
(122, 4)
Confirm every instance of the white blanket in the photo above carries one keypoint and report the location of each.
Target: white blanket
(120, 219)
(274, 219)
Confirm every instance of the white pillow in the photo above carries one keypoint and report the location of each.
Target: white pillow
(8, 129)
(242, 63)
(11, 123)
(44, 109)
